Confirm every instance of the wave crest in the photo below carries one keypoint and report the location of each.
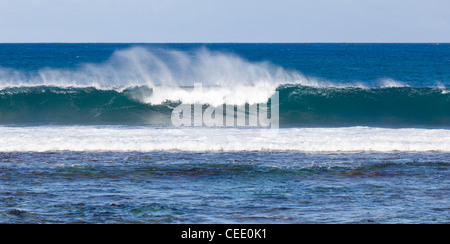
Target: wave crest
(235, 79)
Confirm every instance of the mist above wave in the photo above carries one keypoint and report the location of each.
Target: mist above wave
(226, 78)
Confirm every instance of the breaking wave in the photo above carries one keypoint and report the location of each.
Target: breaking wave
(142, 86)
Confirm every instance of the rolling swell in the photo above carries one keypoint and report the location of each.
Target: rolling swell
(397, 106)
(299, 106)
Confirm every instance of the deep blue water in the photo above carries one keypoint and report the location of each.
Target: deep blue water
(102, 88)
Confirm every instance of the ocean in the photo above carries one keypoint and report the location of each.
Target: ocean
(362, 136)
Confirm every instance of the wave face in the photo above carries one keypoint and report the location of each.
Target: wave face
(299, 106)
(54, 105)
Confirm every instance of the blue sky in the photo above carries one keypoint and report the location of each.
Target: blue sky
(224, 21)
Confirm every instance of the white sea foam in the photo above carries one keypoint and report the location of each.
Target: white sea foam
(203, 139)
(388, 83)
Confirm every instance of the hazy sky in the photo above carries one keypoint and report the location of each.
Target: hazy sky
(224, 21)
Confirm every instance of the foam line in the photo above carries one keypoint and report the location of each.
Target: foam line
(205, 139)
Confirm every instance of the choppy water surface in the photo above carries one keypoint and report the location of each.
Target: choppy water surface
(235, 187)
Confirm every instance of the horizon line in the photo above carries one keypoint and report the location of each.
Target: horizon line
(103, 42)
